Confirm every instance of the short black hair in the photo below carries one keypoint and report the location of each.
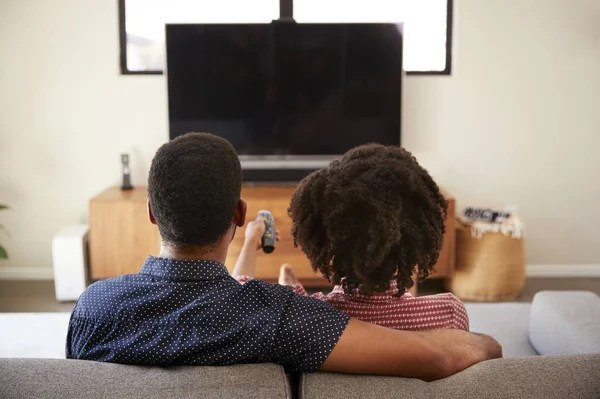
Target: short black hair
(370, 217)
(193, 187)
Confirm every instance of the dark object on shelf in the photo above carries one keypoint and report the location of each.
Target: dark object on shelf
(486, 215)
(126, 172)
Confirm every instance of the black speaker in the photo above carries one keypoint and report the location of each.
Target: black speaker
(126, 172)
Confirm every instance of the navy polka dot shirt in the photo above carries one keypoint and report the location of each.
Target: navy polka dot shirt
(177, 312)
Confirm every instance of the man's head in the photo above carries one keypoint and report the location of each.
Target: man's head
(371, 216)
(194, 191)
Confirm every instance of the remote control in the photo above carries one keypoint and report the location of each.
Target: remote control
(269, 238)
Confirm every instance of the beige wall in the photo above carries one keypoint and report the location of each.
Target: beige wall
(518, 123)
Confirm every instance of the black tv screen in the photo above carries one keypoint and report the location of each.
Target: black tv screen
(286, 88)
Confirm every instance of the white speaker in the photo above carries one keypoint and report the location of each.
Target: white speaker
(70, 261)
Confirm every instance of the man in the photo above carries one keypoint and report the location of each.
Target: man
(183, 308)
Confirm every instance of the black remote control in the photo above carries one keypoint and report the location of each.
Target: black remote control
(269, 238)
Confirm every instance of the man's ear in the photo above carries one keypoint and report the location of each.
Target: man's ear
(150, 215)
(239, 219)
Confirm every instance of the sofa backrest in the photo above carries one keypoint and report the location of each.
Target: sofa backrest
(572, 376)
(55, 378)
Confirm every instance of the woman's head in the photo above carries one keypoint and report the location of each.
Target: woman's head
(370, 217)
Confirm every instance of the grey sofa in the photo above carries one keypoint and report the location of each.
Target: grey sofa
(522, 374)
(570, 376)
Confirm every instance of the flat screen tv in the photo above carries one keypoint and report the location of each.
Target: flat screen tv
(286, 90)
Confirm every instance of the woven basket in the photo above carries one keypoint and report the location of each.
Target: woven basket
(488, 269)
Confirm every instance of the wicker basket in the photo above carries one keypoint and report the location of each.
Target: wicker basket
(489, 268)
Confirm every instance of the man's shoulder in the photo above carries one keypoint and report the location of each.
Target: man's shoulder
(275, 294)
(113, 283)
(104, 292)
(258, 290)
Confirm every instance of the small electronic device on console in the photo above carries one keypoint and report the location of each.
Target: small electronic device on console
(126, 172)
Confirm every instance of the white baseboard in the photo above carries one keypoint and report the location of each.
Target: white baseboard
(26, 273)
(563, 271)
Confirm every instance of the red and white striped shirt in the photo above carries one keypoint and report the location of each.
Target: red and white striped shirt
(401, 313)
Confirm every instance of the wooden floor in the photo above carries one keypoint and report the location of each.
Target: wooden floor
(38, 296)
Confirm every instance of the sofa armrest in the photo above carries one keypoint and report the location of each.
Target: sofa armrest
(565, 322)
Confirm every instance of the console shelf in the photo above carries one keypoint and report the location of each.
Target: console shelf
(121, 237)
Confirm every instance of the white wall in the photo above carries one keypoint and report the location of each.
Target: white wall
(519, 120)
(517, 123)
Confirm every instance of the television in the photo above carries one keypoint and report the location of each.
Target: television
(286, 90)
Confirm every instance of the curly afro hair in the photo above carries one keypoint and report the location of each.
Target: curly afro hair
(370, 217)
(194, 186)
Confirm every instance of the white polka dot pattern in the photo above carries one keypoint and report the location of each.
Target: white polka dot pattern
(177, 312)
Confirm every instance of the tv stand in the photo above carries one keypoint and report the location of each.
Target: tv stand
(121, 237)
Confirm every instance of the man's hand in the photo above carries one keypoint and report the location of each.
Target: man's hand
(254, 232)
(494, 349)
(429, 355)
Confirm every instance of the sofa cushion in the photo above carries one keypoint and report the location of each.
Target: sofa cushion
(33, 335)
(548, 377)
(52, 378)
(565, 322)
